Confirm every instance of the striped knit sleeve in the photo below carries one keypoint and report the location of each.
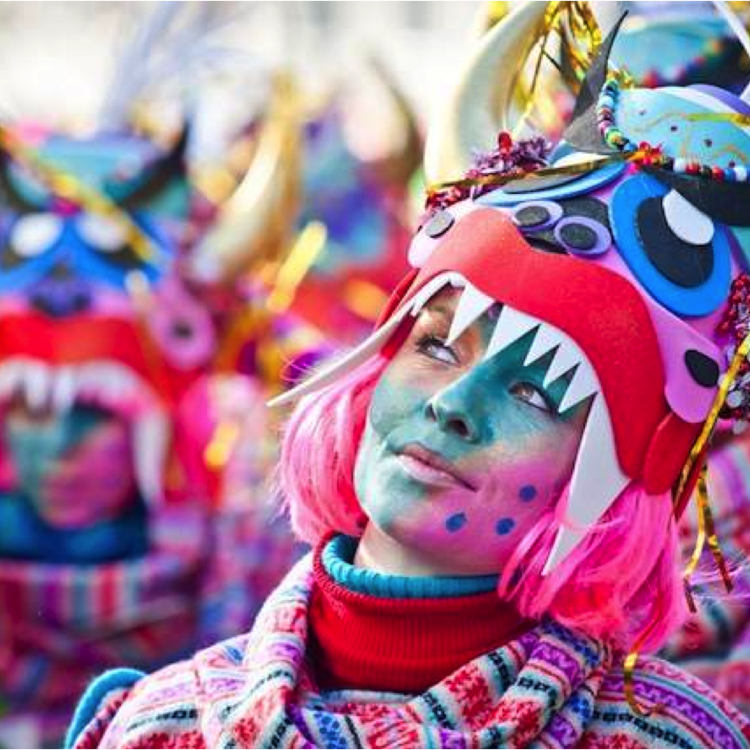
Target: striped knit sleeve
(98, 706)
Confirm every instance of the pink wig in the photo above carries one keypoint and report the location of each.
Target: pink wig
(621, 579)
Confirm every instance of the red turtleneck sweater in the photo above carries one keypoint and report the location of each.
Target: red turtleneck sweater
(366, 642)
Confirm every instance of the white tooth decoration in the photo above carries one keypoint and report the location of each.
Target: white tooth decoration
(511, 326)
(596, 482)
(348, 362)
(566, 358)
(151, 434)
(583, 384)
(11, 376)
(472, 305)
(545, 340)
(686, 221)
(370, 345)
(37, 383)
(63, 390)
(432, 287)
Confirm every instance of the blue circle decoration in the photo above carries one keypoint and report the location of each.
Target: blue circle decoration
(688, 302)
(455, 522)
(505, 526)
(527, 493)
(586, 183)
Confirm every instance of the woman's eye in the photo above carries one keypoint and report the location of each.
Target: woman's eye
(433, 347)
(531, 395)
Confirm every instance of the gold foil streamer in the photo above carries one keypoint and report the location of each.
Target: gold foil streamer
(713, 416)
(579, 36)
(629, 668)
(497, 180)
(706, 533)
(66, 186)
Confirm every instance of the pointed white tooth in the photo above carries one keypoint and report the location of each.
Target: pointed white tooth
(596, 482)
(11, 376)
(432, 287)
(511, 326)
(331, 372)
(37, 382)
(546, 339)
(565, 542)
(63, 390)
(471, 306)
(151, 436)
(583, 385)
(566, 358)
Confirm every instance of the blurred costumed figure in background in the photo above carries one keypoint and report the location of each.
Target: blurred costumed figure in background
(360, 204)
(134, 363)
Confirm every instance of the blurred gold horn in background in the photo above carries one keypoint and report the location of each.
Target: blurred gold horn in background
(475, 111)
(256, 223)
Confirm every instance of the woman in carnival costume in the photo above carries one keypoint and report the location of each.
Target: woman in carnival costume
(491, 480)
(132, 529)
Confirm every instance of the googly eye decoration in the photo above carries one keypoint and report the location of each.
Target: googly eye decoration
(103, 233)
(582, 236)
(680, 256)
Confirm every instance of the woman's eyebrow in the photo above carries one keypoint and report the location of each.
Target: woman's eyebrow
(441, 309)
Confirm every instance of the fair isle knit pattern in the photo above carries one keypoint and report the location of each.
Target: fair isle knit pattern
(549, 688)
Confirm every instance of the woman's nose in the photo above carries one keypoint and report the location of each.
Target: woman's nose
(454, 415)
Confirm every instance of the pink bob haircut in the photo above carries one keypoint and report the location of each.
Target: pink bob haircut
(622, 579)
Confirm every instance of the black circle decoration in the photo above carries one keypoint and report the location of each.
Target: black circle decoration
(704, 370)
(531, 215)
(439, 224)
(578, 236)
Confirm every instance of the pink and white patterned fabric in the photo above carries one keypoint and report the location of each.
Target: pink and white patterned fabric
(549, 688)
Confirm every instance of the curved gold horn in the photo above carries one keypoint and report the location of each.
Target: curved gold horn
(255, 224)
(476, 111)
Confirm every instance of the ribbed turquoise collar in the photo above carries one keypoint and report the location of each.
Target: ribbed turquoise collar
(337, 559)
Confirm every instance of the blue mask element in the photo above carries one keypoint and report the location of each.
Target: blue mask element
(686, 298)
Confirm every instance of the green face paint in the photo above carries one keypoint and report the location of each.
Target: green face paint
(461, 455)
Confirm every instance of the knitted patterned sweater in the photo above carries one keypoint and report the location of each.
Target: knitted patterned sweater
(548, 687)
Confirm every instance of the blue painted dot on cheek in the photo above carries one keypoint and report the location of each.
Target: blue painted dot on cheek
(505, 526)
(527, 493)
(455, 522)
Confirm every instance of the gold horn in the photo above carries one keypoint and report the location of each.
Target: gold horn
(476, 111)
(255, 224)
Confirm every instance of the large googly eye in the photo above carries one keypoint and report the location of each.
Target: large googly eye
(582, 236)
(535, 216)
(33, 234)
(102, 233)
